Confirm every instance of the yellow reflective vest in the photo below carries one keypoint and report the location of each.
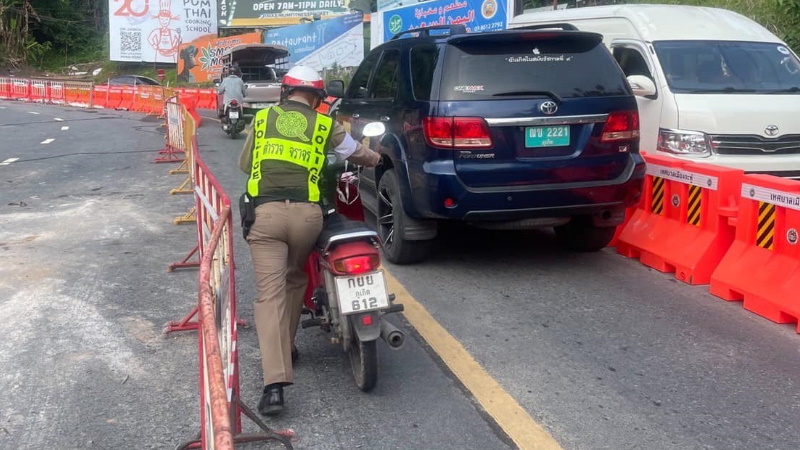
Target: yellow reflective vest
(288, 153)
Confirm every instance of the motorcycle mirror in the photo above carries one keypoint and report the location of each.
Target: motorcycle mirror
(373, 129)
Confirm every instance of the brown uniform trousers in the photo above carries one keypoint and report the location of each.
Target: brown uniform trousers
(281, 239)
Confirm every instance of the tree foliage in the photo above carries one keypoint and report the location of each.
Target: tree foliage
(37, 31)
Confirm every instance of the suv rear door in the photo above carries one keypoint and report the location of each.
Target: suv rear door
(546, 97)
(371, 98)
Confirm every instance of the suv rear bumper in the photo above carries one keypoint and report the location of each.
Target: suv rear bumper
(511, 203)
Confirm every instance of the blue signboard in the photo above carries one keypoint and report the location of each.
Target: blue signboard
(476, 15)
(305, 40)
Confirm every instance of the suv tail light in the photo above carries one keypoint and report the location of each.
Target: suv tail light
(357, 264)
(621, 126)
(457, 132)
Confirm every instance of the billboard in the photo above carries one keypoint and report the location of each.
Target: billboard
(322, 43)
(145, 31)
(248, 13)
(476, 15)
(199, 60)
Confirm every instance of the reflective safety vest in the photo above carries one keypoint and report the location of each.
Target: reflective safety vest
(288, 153)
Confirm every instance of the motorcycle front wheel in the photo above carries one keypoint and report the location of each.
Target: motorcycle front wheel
(364, 362)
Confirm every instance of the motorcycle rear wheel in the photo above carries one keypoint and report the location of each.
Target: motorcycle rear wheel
(364, 362)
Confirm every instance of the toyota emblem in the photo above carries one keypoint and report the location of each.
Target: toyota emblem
(548, 107)
(771, 130)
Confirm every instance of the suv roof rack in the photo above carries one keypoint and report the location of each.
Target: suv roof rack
(562, 26)
(425, 31)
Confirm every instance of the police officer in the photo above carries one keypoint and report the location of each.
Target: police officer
(283, 156)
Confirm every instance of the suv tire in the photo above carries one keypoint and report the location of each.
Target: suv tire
(391, 219)
(580, 235)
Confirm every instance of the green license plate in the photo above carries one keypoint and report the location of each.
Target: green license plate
(547, 136)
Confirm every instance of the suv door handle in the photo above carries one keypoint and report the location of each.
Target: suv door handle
(356, 115)
(384, 118)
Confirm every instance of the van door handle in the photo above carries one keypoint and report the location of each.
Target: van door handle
(356, 115)
(384, 118)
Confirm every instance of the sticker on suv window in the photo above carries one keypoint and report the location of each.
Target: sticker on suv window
(783, 50)
(470, 89)
(538, 58)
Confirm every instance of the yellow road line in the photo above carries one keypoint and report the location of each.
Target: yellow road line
(502, 407)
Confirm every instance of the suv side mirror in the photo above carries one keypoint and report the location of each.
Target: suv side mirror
(335, 88)
(642, 86)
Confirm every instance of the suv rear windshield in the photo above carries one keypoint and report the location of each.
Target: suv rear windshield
(567, 66)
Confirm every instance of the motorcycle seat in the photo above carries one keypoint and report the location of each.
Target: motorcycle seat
(338, 229)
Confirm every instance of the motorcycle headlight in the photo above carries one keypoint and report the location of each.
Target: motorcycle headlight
(679, 142)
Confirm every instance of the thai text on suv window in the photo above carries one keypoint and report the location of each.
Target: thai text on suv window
(567, 66)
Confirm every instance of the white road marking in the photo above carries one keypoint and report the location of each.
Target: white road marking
(58, 119)
(33, 112)
(64, 128)
(47, 141)
(8, 161)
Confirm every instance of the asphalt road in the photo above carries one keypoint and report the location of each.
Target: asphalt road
(602, 352)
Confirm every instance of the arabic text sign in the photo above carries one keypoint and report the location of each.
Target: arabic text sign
(476, 15)
(234, 13)
(153, 31)
(322, 43)
(200, 59)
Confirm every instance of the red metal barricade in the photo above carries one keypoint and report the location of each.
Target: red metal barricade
(38, 91)
(762, 266)
(683, 225)
(5, 87)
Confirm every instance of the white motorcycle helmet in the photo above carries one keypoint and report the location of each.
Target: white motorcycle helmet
(303, 78)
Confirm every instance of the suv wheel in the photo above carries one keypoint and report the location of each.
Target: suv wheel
(580, 235)
(390, 221)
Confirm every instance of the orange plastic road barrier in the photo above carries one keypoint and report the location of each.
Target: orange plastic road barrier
(189, 100)
(684, 224)
(128, 98)
(207, 99)
(762, 266)
(100, 96)
(114, 97)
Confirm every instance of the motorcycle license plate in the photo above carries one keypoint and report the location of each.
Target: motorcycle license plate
(361, 293)
(234, 114)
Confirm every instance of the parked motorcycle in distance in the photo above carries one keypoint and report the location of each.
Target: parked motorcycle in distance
(348, 294)
(233, 119)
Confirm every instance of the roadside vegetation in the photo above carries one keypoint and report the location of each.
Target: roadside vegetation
(56, 37)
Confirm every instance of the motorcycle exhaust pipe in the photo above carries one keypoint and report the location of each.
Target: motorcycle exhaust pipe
(392, 335)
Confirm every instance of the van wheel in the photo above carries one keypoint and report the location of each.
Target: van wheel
(390, 221)
(581, 236)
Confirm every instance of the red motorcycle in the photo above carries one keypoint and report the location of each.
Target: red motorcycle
(347, 292)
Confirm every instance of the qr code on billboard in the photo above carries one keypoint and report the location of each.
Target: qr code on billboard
(131, 41)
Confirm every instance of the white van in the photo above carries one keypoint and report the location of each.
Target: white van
(711, 84)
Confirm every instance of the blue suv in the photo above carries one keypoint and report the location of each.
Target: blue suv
(513, 129)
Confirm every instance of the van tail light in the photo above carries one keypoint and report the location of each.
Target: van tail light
(457, 132)
(357, 264)
(621, 126)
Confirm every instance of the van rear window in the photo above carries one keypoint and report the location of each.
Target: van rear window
(478, 70)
